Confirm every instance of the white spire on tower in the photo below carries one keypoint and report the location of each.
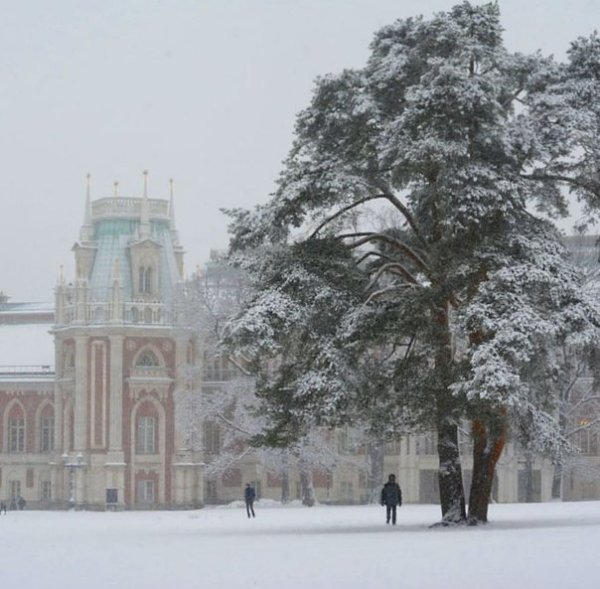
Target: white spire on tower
(174, 234)
(145, 214)
(86, 233)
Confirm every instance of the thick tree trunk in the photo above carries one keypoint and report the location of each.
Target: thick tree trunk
(452, 494)
(488, 443)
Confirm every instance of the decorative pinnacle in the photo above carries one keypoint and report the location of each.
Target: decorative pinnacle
(145, 212)
(145, 183)
(116, 188)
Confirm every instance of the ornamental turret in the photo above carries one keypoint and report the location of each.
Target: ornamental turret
(137, 235)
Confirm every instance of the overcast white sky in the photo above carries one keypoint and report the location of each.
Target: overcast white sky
(203, 91)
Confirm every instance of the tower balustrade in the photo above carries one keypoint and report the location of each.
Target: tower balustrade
(135, 312)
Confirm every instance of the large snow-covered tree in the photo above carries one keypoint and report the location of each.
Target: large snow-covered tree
(218, 412)
(439, 315)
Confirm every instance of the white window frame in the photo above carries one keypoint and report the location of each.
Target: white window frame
(14, 489)
(47, 434)
(146, 491)
(145, 438)
(46, 491)
(16, 434)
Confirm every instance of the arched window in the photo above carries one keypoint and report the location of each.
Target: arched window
(146, 429)
(47, 429)
(147, 358)
(146, 491)
(147, 315)
(146, 435)
(69, 357)
(145, 280)
(211, 437)
(16, 429)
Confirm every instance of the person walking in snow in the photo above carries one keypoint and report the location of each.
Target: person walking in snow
(391, 497)
(3, 507)
(249, 497)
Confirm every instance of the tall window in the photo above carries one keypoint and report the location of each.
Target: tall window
(47, 433)
(346, 442)
(146, 491)
(426, 444)
(147, 359)
(218, 368)
(146, 435)
(16, 434)
(69, 358)
(15, 489)
(210, 491)
(347, 489)
(145, 280)
(392, 447)
(587, 438)
(46, 491)
(212, 437)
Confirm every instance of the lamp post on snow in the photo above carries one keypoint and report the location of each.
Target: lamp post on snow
(72, 466)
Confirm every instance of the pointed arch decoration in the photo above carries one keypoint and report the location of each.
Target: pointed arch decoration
(45, 426)
(14, 427)
(150, 356)
(149, 372)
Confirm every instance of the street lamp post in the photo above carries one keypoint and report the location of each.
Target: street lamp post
(72, 465)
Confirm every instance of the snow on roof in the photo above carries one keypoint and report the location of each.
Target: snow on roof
(34, 307)
(26, 345)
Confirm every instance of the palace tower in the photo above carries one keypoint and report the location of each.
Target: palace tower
(118, 343)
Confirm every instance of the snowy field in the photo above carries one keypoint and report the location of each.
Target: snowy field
(536, 546)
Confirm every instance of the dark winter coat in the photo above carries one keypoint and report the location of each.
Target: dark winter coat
(249, 494)
(391, 494)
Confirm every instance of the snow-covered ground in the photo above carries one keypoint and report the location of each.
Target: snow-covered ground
(535, 546)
